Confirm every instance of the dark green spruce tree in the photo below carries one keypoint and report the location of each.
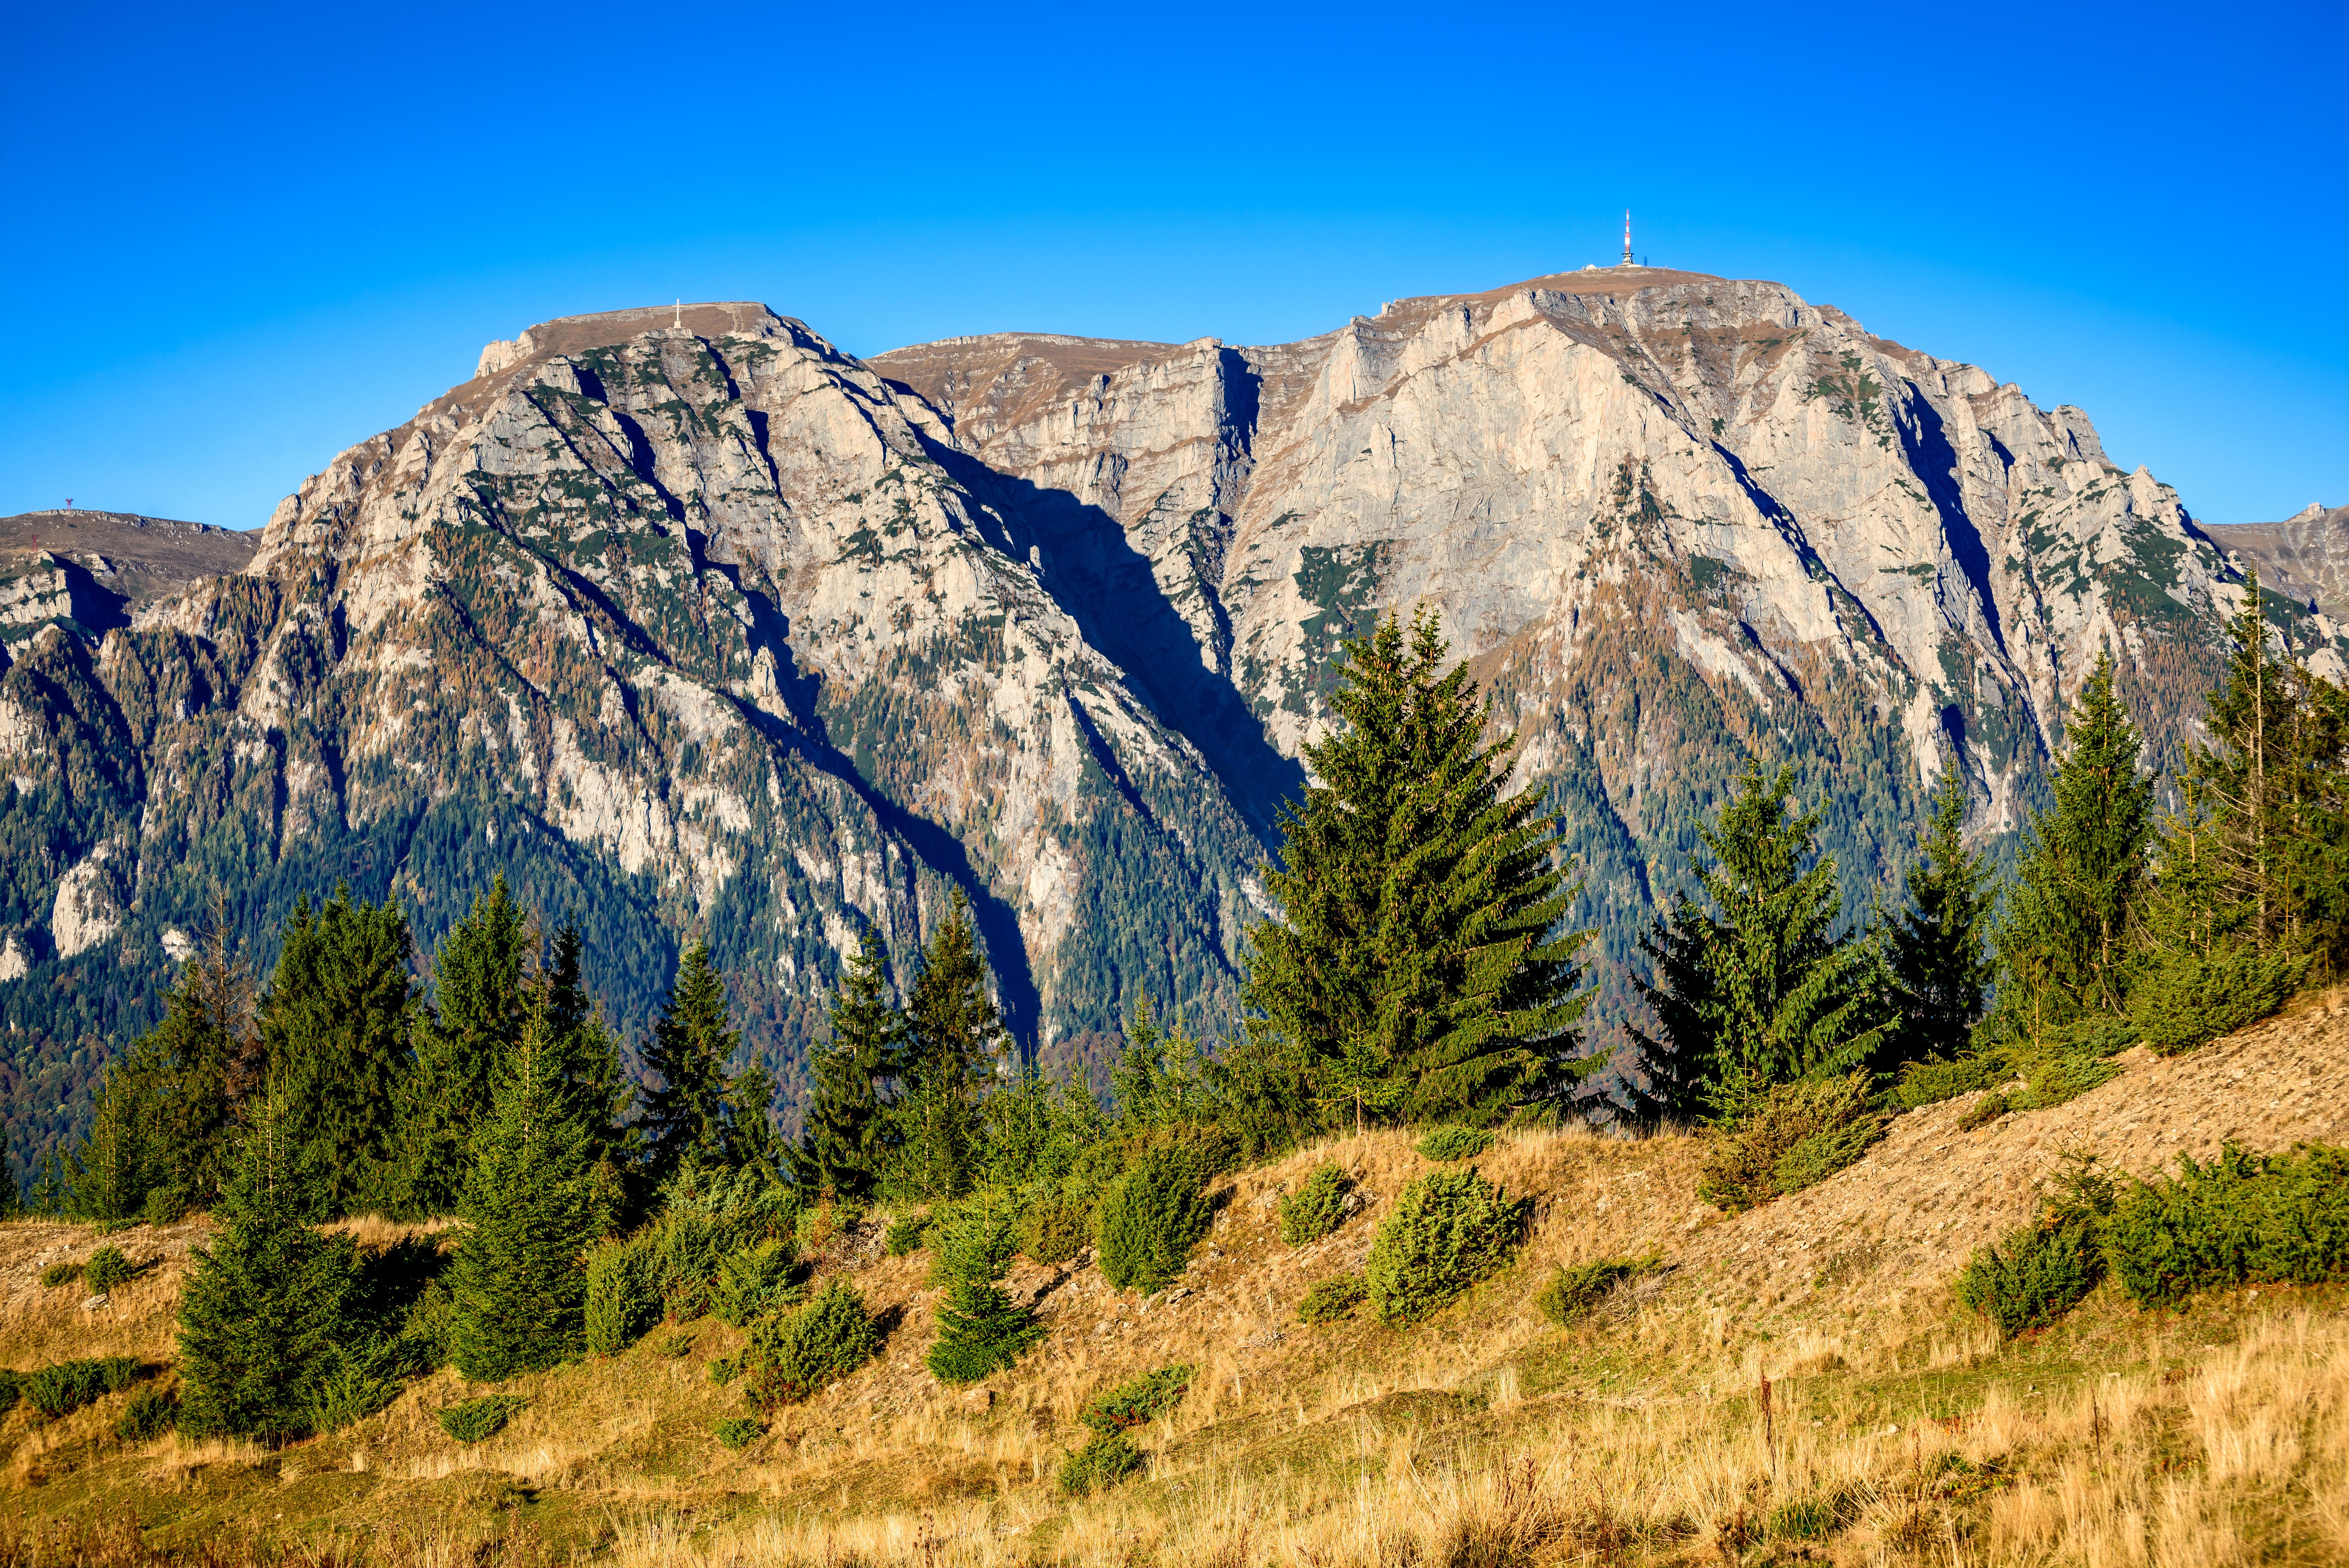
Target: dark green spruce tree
(948, 1049)
(479, 974)
(518, 1286)
(2066, 936)
(688, 1115)
(1936, 949)
(1752, 985)
(265, 1314)
(596, 1080)
(845, 1143)
(335, 1027)
(2251, 874)
(1417, 968)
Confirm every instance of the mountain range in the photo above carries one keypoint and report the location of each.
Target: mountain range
(684, 619)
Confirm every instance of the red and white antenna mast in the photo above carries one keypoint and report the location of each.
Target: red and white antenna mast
(1627, 237)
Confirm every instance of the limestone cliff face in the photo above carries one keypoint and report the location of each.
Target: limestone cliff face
(2305, 556)
(695, 622)
(1675, 520)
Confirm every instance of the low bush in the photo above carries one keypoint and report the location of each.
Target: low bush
(2180, 1002)
(724, 1370)
(1333, 1299)
(981, 1332)
(106, 1269)
(1150, 1218)
(1984, 1111)
(751, 1283)
(1934, 1080)
(624, 1296)
(905, 1234)
(477, 1420)
(1138, 1402)
(736, 1431)
(2039, 1274)
(1449, 1230)
(1572, 1293)
(65, 1387)
(676, 1346)
(793, 1356)
(1315, 1209)
(1450, 1143)
(360, 1384)
(12, 1389)
(56, 1274)
(2242, 1219)
(151, 1413)
(1105, 1460)
(1793, 1135)
(1055, 1230)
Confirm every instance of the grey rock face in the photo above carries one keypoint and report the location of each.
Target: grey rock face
(688, 620)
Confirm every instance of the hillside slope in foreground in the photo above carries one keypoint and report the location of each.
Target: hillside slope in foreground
(1898, 1427)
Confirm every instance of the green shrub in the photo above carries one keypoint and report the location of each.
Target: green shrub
(2243, 1219)
(1314, 1210)
(151, 1413)
(106, 1269)
(981, 1332)
(65, 1387)
(677, 1346)
(477, 1420)
(2065, 1076)
(2039, 1275)
(1572, 1293)
(1105, 1460)
(736, 1431)
(624, 1296)
(905, 1234)
(2180, 1002)
(1450, 1143)
(56, 1274)
(12, 1389)
(424, 1329)
(1932, 1081)
(752, 1282)
(1332, 1299)
(1449, 1230)
(1984, 1111)
(975, 1240)
(355, 1389)
(1055, 1230)
(1138, 1402)
(725, 1369)
(1795, 1135)
(793, 1356)
(1150, 1218)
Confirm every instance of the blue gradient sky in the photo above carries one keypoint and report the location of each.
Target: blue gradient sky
(236, 242)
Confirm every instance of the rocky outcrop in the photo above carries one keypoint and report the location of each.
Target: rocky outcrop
(2305, 557)
(684, 619)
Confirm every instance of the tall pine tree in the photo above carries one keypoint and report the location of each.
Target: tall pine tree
(335, 1026)
(844, 1144)
(2248, 890)
(479, 973)
(686, 1116)
(951, 1044)
(269, 1302)
(1755, 986)
(1936, 948)
(2065, 938)
(1417, 967)
(597, 1082)
(518, 1288)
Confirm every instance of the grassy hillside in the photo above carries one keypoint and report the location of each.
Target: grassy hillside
(1895, 1427)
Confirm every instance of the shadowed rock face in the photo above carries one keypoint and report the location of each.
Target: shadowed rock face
(691, 620)
(2304, 557)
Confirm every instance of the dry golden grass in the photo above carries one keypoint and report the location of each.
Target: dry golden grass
(1899, 1430)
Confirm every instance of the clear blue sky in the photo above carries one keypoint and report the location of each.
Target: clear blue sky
(237, 239)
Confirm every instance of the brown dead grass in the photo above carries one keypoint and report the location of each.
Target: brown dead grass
(1485, 1436)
